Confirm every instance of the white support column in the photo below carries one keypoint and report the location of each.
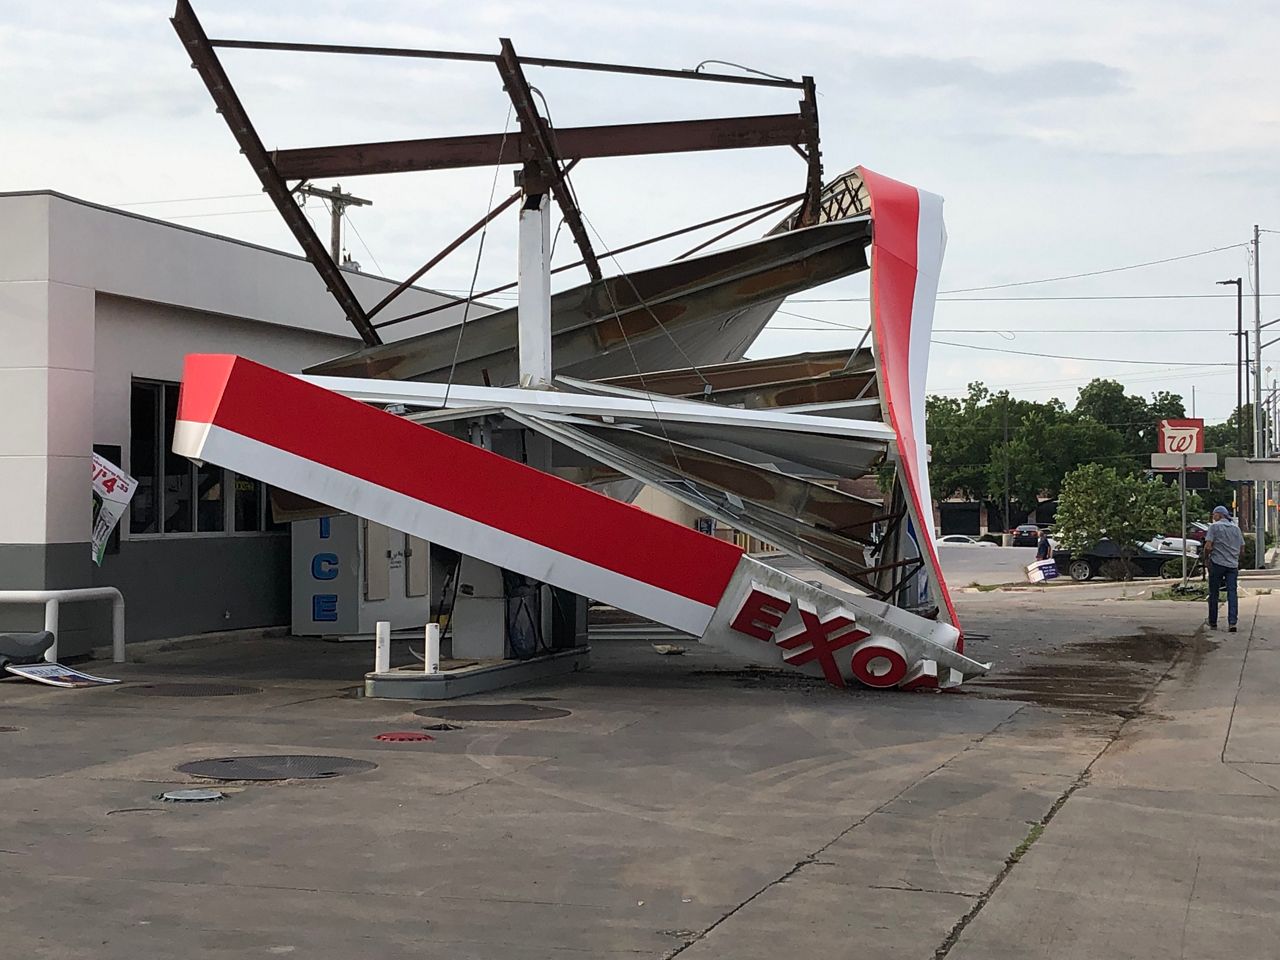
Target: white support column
(534, 310)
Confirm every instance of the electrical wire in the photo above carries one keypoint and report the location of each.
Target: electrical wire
(1095, 273)
(1011, 334)
(738, 66)
(573, 196)
(475, 273)
(837, 325)
(941, 299)
(225, 213)
(225, 196)
(613, 304)
(351, 223)
(1058, 356)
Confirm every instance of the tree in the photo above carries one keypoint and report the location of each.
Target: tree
(1133, 418)
(1100, 503)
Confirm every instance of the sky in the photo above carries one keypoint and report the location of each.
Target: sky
(1066, 139)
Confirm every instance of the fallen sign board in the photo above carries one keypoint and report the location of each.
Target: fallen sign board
(1180, 461)
(1246, 468)
(56, 675)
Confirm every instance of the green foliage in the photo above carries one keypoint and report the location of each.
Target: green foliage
(976, 438)
(1099, 502)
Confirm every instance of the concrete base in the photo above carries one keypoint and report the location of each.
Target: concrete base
(410, 683)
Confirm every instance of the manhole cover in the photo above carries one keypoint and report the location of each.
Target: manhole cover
(189, 689)
(283, 767)
(199, 795)
(403, 736)
(492, 711)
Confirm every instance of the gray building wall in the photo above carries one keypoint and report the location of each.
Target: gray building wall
(90, 299)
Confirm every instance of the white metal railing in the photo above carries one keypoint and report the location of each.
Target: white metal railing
(53, 598)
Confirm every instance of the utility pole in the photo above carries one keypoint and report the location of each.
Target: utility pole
(1238, 282)
(338, 203)
(1259, 451)
(1006, 462)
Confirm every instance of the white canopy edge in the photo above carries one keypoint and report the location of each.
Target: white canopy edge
(421, 394)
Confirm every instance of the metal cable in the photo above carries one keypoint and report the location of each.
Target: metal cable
(622, 328)
(573, 196)
(475, 273)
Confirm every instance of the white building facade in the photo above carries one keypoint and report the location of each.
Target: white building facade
(98, 308)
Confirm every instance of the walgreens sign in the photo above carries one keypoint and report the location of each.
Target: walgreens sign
(1181, 436)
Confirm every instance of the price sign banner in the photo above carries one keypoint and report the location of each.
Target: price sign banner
(112, 490)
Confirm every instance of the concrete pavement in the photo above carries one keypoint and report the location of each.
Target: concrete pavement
(1168, 846)
(1108, 791)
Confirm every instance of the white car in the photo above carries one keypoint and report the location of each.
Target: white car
(1173, 545)
(961, 540)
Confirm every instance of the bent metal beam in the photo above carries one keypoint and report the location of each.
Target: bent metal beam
(261, 423)
(572, 143)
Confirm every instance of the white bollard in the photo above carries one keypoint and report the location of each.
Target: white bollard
(382, 647)
(431, 652)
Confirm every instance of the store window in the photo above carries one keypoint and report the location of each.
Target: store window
(175, 496)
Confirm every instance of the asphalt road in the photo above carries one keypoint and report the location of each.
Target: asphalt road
(1109, 790)
(963, 566)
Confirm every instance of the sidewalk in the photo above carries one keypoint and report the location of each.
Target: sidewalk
(1168, 848)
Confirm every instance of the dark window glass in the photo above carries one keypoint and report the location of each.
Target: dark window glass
(272, 525)
(248, 504)
(178, 473)
(144, 443)
(211, 485)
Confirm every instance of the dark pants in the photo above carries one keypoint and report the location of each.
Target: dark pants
(1219, 577)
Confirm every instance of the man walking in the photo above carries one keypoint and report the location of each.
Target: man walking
(1222, 546)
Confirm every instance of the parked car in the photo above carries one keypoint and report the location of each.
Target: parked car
(1144, 561)
(1197, 531)
(1174, 545)
(961, 540)
(1026, 535)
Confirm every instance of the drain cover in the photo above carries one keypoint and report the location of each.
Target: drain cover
(492, 711)
(403, 736)
(282, 767)
(549, 699)
(9, 729)
(201, 795)
(189, 689)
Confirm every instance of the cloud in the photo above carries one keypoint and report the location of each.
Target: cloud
(1043, 80)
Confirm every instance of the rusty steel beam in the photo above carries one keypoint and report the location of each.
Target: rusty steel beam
(729, 232)
(483, 150)
(205, 61)
(812, 153)
(772, 206)
(448, 249)
(412, 53)
(544, 167)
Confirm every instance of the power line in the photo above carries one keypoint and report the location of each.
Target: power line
(225, 196)
(356, 230)
(1000, 330)
(225, 213)
(847, 328)
(1096, 273)
(1058, 356)
(942, 299)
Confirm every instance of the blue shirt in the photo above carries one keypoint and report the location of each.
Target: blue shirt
(1226, 541)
